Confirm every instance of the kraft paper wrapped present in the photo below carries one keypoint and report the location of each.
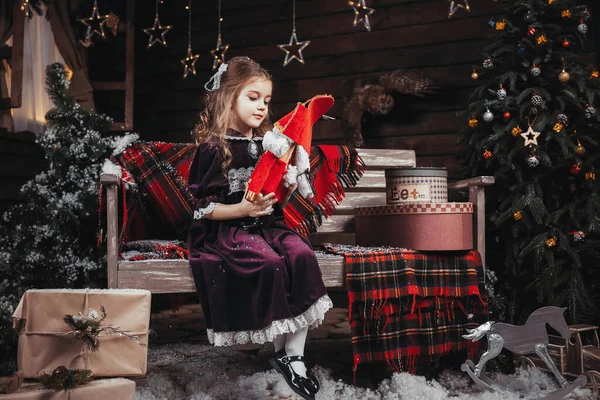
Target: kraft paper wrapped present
(46, 341)
(102, 389)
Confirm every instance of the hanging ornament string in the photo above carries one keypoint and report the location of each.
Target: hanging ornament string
(189, 62)
(157, 32)
(293, 49)
(361, 13)
(220, 49)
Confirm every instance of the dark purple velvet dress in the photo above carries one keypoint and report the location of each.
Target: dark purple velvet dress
(255, 282)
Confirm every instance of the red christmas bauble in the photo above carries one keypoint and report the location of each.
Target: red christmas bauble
(566, 44)
(507, 115)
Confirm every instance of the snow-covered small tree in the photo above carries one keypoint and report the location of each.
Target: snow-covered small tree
(48, 240)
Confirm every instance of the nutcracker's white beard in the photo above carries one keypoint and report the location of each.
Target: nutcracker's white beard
(276, 142)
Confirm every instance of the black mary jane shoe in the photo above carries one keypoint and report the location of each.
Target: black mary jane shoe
(299, 384)
(312, 383)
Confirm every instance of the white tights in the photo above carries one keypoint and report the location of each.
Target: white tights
(294, 346)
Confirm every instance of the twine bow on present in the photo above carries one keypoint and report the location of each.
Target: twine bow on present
(89, 328)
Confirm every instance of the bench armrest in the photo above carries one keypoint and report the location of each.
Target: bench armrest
(111, 182)
(476, 188)
(467, 183)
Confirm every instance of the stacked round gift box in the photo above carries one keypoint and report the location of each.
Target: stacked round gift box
(417, 214)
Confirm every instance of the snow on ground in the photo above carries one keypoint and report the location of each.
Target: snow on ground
(191, 371)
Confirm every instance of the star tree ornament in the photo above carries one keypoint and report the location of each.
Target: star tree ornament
(95, 24)
(455, 5)
(530, 136)
(293, 49)
(220, 49)
(189, 62)
(361, 13)
(157, 32)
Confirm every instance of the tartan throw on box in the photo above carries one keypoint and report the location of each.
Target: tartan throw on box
(156, 203)
(406, 306)
(47, 342)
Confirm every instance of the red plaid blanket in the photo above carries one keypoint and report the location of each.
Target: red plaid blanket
(405, 305)
(158, 204)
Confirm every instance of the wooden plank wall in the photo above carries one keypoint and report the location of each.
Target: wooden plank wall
(405, 34)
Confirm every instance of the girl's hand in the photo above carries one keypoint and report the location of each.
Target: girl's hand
(262, 206)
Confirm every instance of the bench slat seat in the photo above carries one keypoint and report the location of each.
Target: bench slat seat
(175, 276)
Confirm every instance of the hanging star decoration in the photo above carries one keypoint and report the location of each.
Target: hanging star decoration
(454, 6)
(218, 53)
(293, 49)
(189, 63)
(157, 32)
(361, 13)
(530, 136)
(95, 24)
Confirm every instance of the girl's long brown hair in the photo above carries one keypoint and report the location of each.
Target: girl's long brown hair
(218, 113)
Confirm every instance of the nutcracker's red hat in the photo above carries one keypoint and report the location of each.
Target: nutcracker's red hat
(297, 125)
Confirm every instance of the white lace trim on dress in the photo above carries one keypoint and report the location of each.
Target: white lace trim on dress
(256, 139)
(201, 213)
(312, 318)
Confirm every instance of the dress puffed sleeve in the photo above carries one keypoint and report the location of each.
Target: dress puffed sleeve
(206, 181)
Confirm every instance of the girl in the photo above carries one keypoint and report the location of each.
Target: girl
(257, 280)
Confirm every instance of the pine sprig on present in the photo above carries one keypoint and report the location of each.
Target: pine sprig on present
(63, 378)
(89, 327)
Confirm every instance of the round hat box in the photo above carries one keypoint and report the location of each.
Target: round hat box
(417, 226)
(416, 185)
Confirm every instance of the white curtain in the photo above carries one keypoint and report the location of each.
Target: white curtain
(40, 51)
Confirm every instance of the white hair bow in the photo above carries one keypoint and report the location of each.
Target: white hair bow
(216, 78)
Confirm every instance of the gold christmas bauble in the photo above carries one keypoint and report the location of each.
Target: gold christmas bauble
(474, 76)
(564, 76)
(517, 215)
(551, 242)
(473, 122)
(579, 149)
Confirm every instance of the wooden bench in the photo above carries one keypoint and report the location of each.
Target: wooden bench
(175, 276)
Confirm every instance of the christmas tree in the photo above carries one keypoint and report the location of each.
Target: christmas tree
(534, 127)
(49, 240)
